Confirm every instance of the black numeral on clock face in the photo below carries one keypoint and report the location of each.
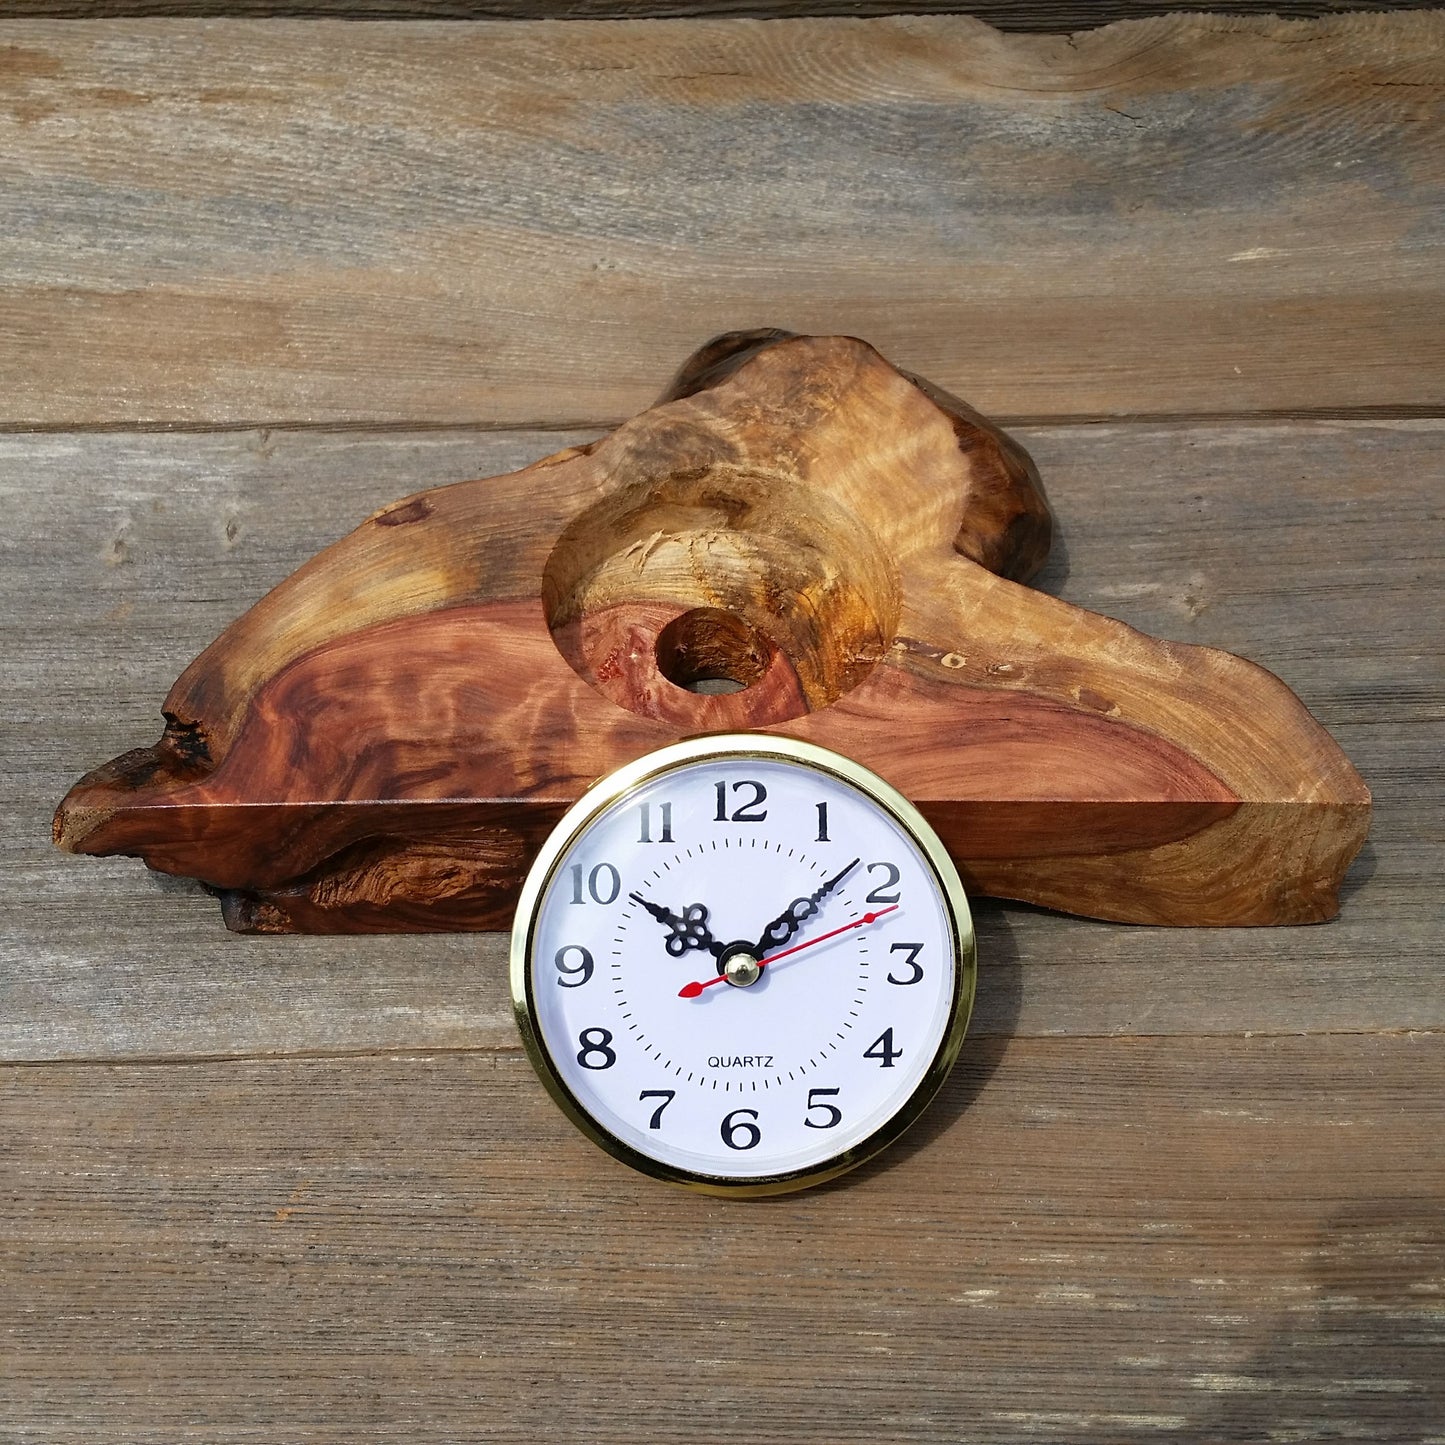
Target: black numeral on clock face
(823, 824)
(751, 811)
(604, 883)
(665, 833)
(744, 1134)
(583, 966)
(891, 875)
(832, 1114)
(911, 962)
(666, 1095)
(882, 1049)
(596, 1051)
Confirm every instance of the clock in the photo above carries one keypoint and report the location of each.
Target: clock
(743, 964)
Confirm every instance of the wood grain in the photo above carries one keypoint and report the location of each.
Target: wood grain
(1035, 15)
(525, 222)
(1189, 1233)
(384, 740)
(1193, 1240)
(126, 554)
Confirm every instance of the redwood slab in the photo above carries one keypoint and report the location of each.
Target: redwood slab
(382, 741)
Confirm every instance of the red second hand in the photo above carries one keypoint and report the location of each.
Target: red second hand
(692, 990)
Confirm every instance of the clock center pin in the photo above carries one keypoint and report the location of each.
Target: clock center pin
(742, 969)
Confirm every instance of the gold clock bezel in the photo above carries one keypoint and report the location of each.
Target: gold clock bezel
(729, 747)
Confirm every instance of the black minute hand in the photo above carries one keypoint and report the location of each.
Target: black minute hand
(797, 913)
(689, 928)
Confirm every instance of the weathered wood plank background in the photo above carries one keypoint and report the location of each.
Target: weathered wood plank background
(130, 552)
(1091, 1240)
(1038, 15)
(1185, 1186)
(528, 224)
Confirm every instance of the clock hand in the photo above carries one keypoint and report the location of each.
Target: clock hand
(689, 928)
(692, 990)
(797, 913)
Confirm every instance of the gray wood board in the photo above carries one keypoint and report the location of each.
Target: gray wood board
(1035, 15)
(1315, 548)
(532, 223)
(1202, 1240)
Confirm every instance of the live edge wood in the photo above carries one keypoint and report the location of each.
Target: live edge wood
(382, 741)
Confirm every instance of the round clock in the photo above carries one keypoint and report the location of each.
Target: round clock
(743, 964)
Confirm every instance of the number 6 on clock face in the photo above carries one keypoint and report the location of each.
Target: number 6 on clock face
(743, 964)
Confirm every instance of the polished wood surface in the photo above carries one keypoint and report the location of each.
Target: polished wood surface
(1186, 1185)
(384, 740)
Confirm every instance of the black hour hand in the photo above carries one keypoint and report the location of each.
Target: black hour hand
(797, 913)
(688, 929)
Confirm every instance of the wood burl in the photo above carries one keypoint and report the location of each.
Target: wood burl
(382, 742)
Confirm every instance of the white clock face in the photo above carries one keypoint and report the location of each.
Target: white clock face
(743, 967)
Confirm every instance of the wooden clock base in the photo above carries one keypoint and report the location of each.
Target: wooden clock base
(798, 538)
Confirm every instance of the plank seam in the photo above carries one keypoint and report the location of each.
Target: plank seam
(515, 1050)
(1283, 416)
